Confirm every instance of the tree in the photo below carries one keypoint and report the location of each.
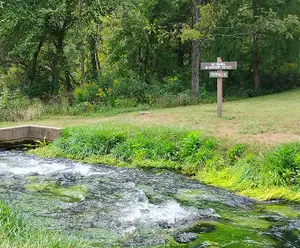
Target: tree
(198, 32)
(149, 46)
(255, 55)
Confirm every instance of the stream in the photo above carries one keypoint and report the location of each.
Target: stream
(118, 207)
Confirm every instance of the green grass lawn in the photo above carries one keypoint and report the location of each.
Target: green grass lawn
(267, 120)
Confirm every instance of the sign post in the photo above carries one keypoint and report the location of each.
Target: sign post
(219, 74)
(220, 90)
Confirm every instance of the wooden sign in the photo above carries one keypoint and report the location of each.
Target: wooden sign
(219, 66)
(216, 74)
(219, 74)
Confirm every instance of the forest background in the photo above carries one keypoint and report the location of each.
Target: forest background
(88, 56)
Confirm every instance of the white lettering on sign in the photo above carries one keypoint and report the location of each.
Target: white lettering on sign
(216, 74)
(219, 66)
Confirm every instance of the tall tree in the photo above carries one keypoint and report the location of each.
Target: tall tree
(198, 32)
(196, 50)
(255, 54)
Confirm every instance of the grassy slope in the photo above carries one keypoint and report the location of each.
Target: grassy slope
(267, 120)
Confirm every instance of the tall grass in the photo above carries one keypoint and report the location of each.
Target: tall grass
(17, 233)
(189, 152)
(143, 147)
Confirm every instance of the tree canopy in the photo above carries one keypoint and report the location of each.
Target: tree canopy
(148, 47)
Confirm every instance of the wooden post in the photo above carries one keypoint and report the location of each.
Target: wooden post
(219, 74)
(220, 89)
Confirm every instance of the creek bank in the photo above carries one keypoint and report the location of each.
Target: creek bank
(264, 176)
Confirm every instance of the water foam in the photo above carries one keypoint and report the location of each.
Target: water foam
(169, 212)
(28, 165)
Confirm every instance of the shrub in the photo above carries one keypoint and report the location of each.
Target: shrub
(17, 107)
(236, 152)
(284, 163)
(87, 92)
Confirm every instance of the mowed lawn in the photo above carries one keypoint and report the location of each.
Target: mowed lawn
(267, 120)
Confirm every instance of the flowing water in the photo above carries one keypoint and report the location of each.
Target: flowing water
(117, 207)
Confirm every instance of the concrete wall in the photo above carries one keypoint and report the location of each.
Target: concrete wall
(28, 133)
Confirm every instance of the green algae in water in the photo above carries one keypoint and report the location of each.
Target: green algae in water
(229, 235)
(32, 179)
(104, 237)
(283, 210)
(153, 196)
(189, 197)
(246, 218)
(252, 222)
(202, 228)
(72, 193)
(99, 221)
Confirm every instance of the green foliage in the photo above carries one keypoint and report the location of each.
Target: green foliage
(17, 107)
(87, 92)
(167, 148)
(202, 30)
(236, 152)
(16, 231)
(84, 142)
(283, 163)
(187, 152)
(99, 53)
(73, 193)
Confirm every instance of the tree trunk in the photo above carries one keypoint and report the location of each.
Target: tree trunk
(180, 54)
(81, 45)
(68, 81)
(98, 64)
(82, 65)
(61, 63)
(32, 72)
(255, 58)
(196, 53)
(141, 64)
(93, 56)
(195, 68)
(146, 65)
(255, 52)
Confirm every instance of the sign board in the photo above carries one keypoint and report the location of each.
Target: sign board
(217, 74)
(219, 66)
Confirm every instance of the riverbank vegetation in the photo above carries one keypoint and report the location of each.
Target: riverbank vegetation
(18, 232)
(271, 174)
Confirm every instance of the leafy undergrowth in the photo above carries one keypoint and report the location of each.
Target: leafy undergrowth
(19, 233)
(272, 174)
(266, 176)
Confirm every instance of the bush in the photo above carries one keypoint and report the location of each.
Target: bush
(87, 92)
(237, 152)
(17, 107)
(284, 163)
